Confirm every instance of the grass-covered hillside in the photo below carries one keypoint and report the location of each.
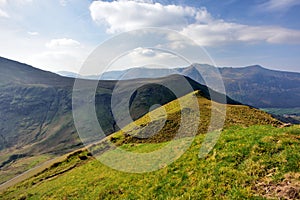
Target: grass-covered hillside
(254, 158)
(255, 162)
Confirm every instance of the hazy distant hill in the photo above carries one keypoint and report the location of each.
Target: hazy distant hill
(252, 85)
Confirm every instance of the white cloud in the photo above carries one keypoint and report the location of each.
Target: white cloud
(279, 5)
(63, 42)
(3, 14)
(63, 2)
(146, 57)
(196, 23)
(3, 2)
(33, 33)
(128, 15)
(140, 1)
(58, 60)
(32, 50)
(23, 1)
(62, 53)
(275, 35)
(219, 33)
(144, 52)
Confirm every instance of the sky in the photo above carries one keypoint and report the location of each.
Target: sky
(59, 35)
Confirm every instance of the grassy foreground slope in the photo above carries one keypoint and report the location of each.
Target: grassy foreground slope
(250, 160)
(245, 163)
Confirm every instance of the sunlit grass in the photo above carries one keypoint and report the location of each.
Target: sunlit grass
(251, 150)
(242, 158)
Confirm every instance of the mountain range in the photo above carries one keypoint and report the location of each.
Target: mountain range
(271, 87)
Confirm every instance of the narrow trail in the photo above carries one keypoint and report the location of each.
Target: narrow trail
(31, 172)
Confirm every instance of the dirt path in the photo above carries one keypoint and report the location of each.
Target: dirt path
(30, 173)
(34, 171)
(40, 168)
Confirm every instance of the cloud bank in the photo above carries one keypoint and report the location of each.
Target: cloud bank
(63, 42)
(196, 23)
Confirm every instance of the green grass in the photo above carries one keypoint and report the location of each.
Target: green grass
(171, 112)
(242, 160)
(251, 151)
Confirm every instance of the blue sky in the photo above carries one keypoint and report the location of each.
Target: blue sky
(58, 35)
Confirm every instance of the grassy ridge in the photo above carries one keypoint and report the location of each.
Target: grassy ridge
(171, 112)
(244, 164)
(252, 156)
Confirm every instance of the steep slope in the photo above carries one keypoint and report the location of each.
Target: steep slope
(33, 104)
(248, 160)
(35, 117)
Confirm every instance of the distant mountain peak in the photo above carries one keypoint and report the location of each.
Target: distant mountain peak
(255, 67)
